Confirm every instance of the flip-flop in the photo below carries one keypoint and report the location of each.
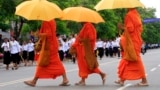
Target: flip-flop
(29, 83)
(119, 82)
(64, 84)
(80, 84)
(142, 84)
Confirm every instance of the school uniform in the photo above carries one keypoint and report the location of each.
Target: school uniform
(6, 53)
(30, 51)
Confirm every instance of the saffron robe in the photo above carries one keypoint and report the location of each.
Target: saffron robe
(128, 70)
(85, 40)
(55, 67)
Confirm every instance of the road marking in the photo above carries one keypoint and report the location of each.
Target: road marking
(159, 65)
(13, 82)
(122, 88)
(153, 69)
(22, 80)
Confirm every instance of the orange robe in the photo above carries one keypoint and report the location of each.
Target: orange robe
(87, 32)
(128, 70)
(55, 67)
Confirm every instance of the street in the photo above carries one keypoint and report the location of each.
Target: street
(13, 79)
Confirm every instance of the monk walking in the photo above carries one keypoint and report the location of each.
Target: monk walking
(48, 64)
(83, 47)
(131, 66)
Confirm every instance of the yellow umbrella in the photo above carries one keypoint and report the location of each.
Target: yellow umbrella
(114, 4)
(81, 14)
(38, 10)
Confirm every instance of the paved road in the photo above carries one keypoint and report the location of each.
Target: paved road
(13, 79)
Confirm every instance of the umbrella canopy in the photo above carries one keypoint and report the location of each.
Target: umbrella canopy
(81, 14)
(38, 10)
(114, 4)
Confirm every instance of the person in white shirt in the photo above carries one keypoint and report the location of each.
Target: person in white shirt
(110, 44)
(60, 51)
(71, 41)
(100, 48)
(24, 52)
(30, 50)
(15, 51)
(66, 48)
(106, 46)
(6, 53)
(118, 45)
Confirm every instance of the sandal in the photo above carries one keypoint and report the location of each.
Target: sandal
(30, 83)
(119, 82)
(64, 84)
(80, 84)
(142, 84)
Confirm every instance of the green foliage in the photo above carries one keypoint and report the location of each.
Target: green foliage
(34, 25)
(61, 28)
(25, 28)
(7, 8)
(4, 27)
(151, 33)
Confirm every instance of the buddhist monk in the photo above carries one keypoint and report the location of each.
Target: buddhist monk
(48, 53)
(131, 66)
(83, 47)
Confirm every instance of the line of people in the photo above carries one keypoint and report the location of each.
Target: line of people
(110, 48)
(130, 66)
(15, 53)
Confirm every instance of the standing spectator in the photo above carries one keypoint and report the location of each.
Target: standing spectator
(24, 52)
(1, 41)
(118, 46)
(100, 48)
(71, 41)
(15, 51)
(110, 48)
(106, 48)
(61, 51)
(115, 49)
(6, 53)
(31, 52)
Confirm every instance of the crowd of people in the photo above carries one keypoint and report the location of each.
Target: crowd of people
(16, 52)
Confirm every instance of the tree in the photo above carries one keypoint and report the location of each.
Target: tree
(107, 30)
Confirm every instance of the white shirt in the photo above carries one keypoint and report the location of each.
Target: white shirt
(99, 44)
(65, 46)
(24, 47)
(5, 46)
(30, 47)
(14, 47)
